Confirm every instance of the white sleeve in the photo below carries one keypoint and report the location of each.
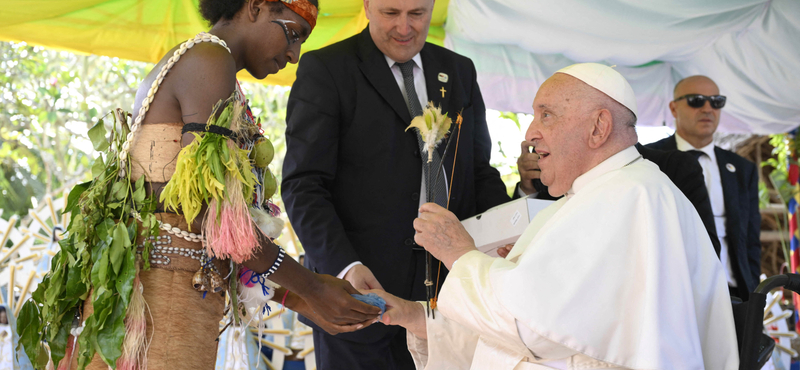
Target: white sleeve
(468, 298)
(346, 269)
(452, 346)
(543, 349)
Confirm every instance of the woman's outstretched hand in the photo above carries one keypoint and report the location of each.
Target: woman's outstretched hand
(331, 306)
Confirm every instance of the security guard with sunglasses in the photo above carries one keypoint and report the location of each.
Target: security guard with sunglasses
(732, 181)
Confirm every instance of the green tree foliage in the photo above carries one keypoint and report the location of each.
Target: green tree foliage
(48, 101)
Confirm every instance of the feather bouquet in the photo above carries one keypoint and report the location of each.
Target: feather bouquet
(433, 127)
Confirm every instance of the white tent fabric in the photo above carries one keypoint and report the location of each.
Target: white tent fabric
(751, 48)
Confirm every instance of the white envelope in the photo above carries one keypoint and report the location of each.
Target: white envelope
(503, 224)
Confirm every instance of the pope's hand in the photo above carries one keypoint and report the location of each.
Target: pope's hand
(504, 250)
(361, 278)
(528, 166)
(440, 232)
(410, 315)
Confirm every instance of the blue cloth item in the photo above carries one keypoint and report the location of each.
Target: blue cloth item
(372, 299)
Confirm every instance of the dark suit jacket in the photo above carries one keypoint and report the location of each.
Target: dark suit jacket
(352, 174)
(742, 217)
(687, 175)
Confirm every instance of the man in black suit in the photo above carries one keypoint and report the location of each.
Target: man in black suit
(731, 180)
(353, 176)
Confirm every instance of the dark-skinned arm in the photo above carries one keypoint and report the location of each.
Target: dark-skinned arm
(295, 303)
(328, 297)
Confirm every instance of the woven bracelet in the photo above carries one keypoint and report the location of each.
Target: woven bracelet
(276, 264)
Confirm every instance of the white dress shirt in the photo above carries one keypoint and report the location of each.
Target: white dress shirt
(708, 160)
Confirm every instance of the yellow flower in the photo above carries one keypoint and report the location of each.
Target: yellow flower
(432, 126)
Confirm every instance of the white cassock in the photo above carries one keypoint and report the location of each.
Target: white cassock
(619, 274)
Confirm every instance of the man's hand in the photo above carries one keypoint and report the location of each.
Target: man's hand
(504, 250)
(440, 232)
(528, 166)
(407, 314)
(361, 278)
(297, 304)
(330, 299)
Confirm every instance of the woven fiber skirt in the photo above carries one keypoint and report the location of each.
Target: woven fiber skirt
(183, 325)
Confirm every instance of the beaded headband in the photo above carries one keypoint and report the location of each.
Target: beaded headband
(303, 8)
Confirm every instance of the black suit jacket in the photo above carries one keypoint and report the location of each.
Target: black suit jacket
(352, 174)
(742, 218)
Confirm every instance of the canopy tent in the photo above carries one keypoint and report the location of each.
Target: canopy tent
(145, 30)
(751, 48)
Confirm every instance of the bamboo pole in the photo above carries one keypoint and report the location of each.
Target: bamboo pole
(53, 217)
(40, 237)
(12, 269)
(305, 352)
(268, 362)
(271, 331)
(41, 222)
(28, 257)
(64, 216)
(24, 292)
(293, 237)
(15, 247)
(781, 316)
(788, 350)
(276, 346)
(11, 222)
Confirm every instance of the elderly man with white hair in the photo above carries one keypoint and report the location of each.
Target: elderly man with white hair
(618, 274)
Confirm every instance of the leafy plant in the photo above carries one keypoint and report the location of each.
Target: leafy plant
(97, 259)
(785, 167)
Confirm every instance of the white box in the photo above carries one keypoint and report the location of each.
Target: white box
(503, 224)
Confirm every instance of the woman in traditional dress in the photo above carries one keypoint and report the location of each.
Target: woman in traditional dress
(261, 36)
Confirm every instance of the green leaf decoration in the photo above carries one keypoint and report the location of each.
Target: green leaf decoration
(75, 195)
(124, 283)
(119, 190)
(98, 168)
(58, 345)
(119, 246)
(111, 335)
(97, 134)
(140, 193)
(29, 328)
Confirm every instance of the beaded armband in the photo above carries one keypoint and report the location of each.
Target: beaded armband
(276, 264)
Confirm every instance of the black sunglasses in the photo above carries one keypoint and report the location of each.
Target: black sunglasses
(697, 100)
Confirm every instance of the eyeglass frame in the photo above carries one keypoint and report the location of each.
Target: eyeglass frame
(706, 98)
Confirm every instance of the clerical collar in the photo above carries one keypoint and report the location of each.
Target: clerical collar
(685, 146)
(417, 60)
(615, 162)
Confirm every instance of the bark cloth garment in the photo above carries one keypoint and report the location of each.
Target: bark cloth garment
(183, 325)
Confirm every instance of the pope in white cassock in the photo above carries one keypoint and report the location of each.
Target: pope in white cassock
(618, 274)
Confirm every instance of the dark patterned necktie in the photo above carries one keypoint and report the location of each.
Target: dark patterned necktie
(433, 173)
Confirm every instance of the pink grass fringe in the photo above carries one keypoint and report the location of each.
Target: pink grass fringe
(231, 235)
(134, 348)
(64, 363)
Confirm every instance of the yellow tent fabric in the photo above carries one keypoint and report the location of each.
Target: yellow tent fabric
(145, 30)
